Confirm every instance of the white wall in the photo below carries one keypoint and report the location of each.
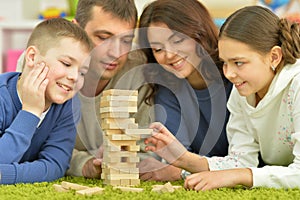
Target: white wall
(218, 8)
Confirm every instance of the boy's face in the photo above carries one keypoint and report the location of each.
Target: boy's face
(67, 67)
(113, 38)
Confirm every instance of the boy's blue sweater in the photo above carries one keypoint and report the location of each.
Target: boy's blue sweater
(29, 153)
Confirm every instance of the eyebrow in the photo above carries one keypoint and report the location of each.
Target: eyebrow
(111, 34)
(232, 59)
(71, 58)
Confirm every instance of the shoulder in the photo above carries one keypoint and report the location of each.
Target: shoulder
(8, 77)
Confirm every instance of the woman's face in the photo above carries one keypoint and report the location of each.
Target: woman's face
(174, 51)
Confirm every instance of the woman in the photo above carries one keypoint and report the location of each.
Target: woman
(180, 41)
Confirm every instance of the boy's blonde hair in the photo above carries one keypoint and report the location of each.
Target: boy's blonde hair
(48, 34)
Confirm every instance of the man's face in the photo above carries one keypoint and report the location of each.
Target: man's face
(113, 39)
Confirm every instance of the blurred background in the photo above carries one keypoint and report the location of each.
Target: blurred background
(18, 18)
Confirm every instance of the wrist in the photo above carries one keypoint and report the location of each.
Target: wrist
(184, 174)
(181, 161)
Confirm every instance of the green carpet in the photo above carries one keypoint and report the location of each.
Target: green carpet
(43, 191)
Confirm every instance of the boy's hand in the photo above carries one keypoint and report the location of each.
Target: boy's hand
(33, 89)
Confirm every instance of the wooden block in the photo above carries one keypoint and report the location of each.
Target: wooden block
(123, 137)
(135, 182)
(120, 143)
(132, 148)
(111, 171)
(176, 187)
(105, 125)
(120, 92)
(120, 154)
(143, 133)
(59, 188)
(129, 189)
(133, 159)
(117, 121)
(118, 109)
(73, 186)
(115, 115)
(113, 132)
(111, 159)
(118, 98)
(134, 171)
(90, 191)
(163, 188)
(133, 126)
(112, 182)
(119, 166)
(122, 176)
(125, 182)
(168, 187)
(112, 148)
(158, 190)
(118, 104)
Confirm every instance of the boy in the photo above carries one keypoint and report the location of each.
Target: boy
(37, 120)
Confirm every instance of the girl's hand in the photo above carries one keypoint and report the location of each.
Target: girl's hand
(33, 89)
(164, 143)
(209, 180)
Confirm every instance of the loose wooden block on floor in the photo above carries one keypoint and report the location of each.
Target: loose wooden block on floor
(73, 186)
(129, 189)
(90, 191)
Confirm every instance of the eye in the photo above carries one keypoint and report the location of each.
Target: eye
(156, 50)
(239, 63)
(103, 37)
(223, 63)
(82, 74)
(127, 41)
(66, 63)
(178, 41)
(83, 71)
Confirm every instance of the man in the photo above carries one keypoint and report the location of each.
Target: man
(110, 25)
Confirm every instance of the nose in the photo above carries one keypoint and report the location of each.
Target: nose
(73, 74)
(169, 52)
(114, 48)
(229, 72)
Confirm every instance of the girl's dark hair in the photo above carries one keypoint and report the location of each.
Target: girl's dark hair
(261, 29)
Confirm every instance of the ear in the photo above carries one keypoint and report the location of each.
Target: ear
(276, 56)
(31, 55)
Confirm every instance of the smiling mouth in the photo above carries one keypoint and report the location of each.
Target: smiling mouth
(239, 84)
(178, 63)
(65, 87)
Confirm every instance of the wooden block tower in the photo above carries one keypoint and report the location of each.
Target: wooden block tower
(121, 133)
